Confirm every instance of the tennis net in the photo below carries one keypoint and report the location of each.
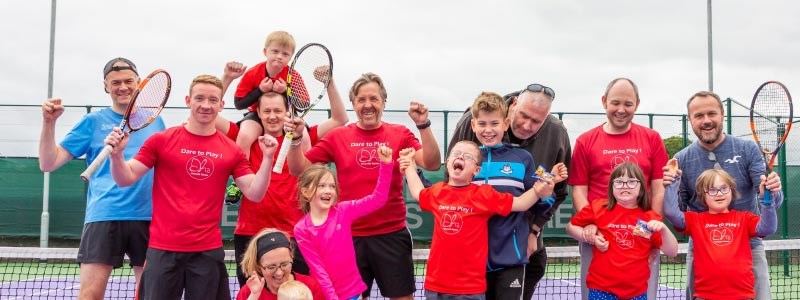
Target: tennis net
(52, 273)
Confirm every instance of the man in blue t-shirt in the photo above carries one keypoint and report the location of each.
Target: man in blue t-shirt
(741, 158)
(117, 219)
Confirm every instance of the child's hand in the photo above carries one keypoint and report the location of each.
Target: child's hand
(233, 70)
(265, 85)
(406, 159)
(255, 283)
(601, 243)
(321, 73)
(418, 112)
(279, 86)
(385, 154)
(268, 145)
(589, 231)
(656, 226)
(544, 187)
(670, 171)
(560, 172)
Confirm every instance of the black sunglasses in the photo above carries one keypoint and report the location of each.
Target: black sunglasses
(538, 88)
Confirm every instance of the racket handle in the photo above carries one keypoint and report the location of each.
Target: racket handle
(287, 141)
(767, 197)
(96, 163)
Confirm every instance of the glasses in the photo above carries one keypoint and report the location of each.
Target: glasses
(285, 266)
(626, 184)
(713, 158)
(718, 191)
(538, 88)
(464, 155)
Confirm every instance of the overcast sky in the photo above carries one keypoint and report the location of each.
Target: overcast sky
(443, 53)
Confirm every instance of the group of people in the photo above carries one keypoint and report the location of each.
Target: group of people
(301, 234)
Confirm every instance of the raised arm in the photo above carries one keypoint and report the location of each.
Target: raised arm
(338, 112)
(295, 157)
(380, 195)
(541, 189)
(669, 244)
(768, 223)
(429, 157)
(51, 155)
(255, 186)
(314, 260)
(672, 211)
(408, 167)
(124, 173)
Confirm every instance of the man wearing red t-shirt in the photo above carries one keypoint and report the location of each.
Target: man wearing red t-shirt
(598, 151)
(382, 241)
(192, 163)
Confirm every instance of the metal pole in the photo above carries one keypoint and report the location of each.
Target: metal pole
(44, 234)
(710, 52)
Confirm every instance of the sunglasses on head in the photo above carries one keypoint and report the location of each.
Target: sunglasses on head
(538, 88)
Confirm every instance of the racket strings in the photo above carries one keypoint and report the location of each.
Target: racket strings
(149, 101)
(311, 73)
(771, 112)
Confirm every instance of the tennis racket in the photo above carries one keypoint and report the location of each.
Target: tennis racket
(770, 121)
(147, 102)
(312, 61)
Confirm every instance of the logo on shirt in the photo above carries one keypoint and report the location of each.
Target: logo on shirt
(367, 157)
(721, 236)
(506, 169)
(451, 222)
(623, 158)
(624, 238)
(199, 167)
(733, 160)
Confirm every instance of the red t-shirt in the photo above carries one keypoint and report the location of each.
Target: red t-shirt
(623, 269)
(253, 77)
(310, 282)
(191, 173)
(460, 246)
(597, 153)
(354, 151)
(279, 208)
(722, 246)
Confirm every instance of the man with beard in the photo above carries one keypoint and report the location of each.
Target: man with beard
(599, 150)
(741, 158)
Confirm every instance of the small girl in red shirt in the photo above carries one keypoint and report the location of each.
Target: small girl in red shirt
(627, 229)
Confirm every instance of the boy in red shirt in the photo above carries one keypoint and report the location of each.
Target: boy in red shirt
(461, 211)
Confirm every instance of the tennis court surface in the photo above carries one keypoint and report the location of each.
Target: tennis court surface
(52, 273)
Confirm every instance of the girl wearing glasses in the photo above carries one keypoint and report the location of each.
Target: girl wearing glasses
(268, 261)
(622, 245)
(721, 236)
(323, 234)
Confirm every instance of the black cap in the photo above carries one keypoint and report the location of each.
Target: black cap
(110, 66)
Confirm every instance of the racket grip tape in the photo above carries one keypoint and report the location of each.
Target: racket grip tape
(767, 197)
(287, 141)
(96, 163)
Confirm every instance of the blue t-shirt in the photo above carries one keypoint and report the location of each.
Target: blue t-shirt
(105, 201)
(740, 158)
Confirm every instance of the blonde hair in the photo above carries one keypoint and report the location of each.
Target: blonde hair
(294, 290)
(250, 257)
(489, 102)
(365, 79)
(631, 170)
(280, 38)
(706, 181)
(206, 79)
(309, 180)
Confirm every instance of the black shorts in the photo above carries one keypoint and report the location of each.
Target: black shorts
(386, 259)
(107, 242)
(250, 116)
(506, 283)
(240, 243)
(201, 274)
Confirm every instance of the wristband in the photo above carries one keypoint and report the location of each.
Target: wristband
(295, 138)
(296, 142)
(424, 125)
(535, 232)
